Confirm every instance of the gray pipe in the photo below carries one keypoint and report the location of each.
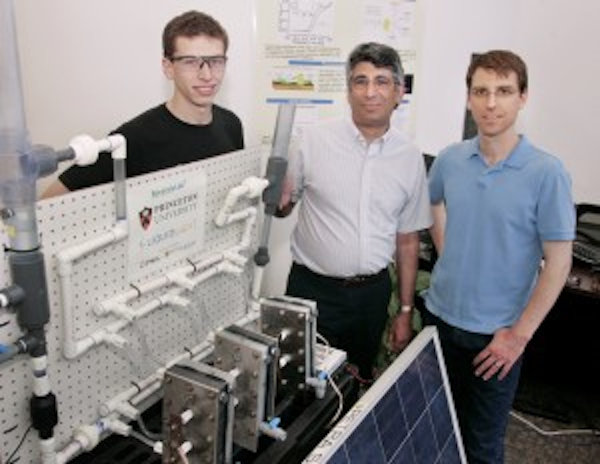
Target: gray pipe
(276, 169)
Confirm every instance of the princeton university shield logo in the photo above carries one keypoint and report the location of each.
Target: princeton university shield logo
(145, 218)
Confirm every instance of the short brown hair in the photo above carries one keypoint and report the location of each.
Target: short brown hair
(191, 24)
(502, 62)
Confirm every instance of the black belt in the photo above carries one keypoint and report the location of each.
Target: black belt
(353, 281)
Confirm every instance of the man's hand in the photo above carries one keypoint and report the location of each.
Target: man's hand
(401, 332)
(500, 355)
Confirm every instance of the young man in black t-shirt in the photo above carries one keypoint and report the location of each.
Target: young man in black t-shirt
(189, 126)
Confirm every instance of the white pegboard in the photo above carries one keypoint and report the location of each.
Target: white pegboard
(82, 384)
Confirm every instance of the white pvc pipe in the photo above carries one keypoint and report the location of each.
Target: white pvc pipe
(251, 187)
(65, 259)
(108, 333)
(118, 305)
(41, 381)
(104, 307)
(67, 256)
(247, 235)
(230, 261)
(72, 347)
(48, 451)
(257, 282)
(152, 382)
(119, 155)
(230, 201)
(124, 403)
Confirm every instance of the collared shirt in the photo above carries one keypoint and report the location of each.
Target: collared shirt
(497, 220)
(355, 197)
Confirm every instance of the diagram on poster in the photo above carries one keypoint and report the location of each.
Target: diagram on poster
(312, 21)
(302, 50)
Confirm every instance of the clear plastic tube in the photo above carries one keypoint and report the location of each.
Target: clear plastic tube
(18, 173)
(120, 193)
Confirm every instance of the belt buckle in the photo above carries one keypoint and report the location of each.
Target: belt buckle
(355, 280)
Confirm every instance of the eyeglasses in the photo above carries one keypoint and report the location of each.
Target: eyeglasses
(380, 83)
(194, 63)
(500, 92)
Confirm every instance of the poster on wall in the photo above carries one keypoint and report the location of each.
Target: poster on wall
(302, 50)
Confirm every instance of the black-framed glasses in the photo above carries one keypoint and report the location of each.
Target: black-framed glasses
(188, 63)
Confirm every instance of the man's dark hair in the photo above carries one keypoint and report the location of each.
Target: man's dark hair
(192, 24)
(503, 62)
(380, 55)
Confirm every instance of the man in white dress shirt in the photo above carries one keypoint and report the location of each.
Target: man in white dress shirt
(364, 199)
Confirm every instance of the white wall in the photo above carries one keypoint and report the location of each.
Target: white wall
(452, 31)
(560, 42)
(88, 66)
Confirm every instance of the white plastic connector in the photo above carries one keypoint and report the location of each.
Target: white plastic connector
(88, 436)
(185, 448)
(175, 300)
(126, 409)
(319, 384)
(235, 257)
(187, 416)
(120, 230)
(235, 372)
(255, 186)
(109, 338)
(117, 308)
(272, 429)
(117, 426)
(230, 268)
(86, 150)
(210, 336)
(284, 334)
(284, 360)
(180, 278)
(117, 146)
(48, 450)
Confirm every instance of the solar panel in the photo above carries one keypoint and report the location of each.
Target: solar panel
(406, 417)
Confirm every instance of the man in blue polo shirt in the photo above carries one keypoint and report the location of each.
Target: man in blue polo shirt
(504, 221)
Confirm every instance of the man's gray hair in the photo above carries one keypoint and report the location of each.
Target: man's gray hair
(380, 55)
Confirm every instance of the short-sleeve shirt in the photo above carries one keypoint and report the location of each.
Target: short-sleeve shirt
(497, 220)
(355, 197)
(158, 140)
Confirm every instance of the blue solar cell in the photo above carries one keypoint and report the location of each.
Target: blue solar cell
(405, 417)
(366, 434)
(431, 376)
(392, 422)
(442, 424)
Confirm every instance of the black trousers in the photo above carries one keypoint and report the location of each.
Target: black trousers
(351, 316)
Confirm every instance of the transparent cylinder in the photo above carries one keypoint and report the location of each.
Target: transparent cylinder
(18, 172)
(120, 188)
